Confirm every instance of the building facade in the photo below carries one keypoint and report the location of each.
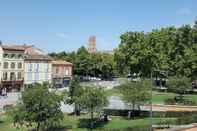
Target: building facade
(37, 66)
(11, 67)
(61, 73)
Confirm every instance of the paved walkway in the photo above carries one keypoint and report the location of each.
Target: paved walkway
(11, 99)
(114, 103)
(171, 108)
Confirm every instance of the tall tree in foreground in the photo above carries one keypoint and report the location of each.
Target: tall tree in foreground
(179, 85)
(39, 107)
(93, 99)
(135, 94)
(74, 94)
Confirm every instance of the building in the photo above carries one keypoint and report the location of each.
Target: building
(11, 67)
(37, 66)
(92, 44)
(61, 73)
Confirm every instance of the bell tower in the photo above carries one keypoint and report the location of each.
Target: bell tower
(92, 44)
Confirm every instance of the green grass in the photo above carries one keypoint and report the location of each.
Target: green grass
(73, 123)
(160, 97)
(113, 92)
(157, 97)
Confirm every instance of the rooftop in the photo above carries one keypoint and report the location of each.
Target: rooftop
(61, 62)
(13, 48)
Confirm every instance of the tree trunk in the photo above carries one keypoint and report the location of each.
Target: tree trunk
(77, 110)
(133, 110)
(38, 126)
(139, 110)
(92, 120)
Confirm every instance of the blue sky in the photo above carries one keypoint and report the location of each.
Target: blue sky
(65, 25)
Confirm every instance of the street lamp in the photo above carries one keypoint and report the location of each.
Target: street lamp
(151, 109)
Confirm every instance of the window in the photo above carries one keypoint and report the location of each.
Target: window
(12, 55)
(47, 67)
(5, 55)
(19, 65)
(12, 76)
(20, 56)
(5, 65)
(5, 75)
(12, 65)
(37, 76)
(19, 76)
(37, 67)
(66, 72)
(46, 76)
(30, 66)
(57, 70)
(29, 76)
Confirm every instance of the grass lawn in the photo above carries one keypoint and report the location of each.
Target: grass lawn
(113, 92)
(157, 97)
(73, 123)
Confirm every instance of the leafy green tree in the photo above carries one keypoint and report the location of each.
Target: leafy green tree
(99, 64)
(39, 107)
(82, 62)
(74, 94)
(93, 100)
(171, 49)
(179, 85)
(135, 94)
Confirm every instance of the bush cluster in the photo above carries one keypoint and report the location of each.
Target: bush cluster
(186, 119)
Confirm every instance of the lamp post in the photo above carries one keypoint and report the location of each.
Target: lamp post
(151, 109)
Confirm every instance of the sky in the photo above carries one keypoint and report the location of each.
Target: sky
(65, 25)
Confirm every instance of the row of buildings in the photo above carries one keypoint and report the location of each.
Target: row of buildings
(25, 64)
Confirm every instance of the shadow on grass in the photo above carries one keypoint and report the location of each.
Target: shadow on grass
(86, 123)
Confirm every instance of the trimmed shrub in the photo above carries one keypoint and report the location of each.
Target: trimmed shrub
(187, 119)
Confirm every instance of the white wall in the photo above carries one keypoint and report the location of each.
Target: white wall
(42, 75)
(1, 62)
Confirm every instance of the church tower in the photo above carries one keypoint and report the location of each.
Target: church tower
(92, 44)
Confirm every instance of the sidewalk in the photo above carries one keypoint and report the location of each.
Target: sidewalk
(11, 98)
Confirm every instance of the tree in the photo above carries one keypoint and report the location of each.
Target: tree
(135, 94)
(99, 64)
(179, 85)
(93, 100)
(171, 49)
(74, 93)
(40, 107)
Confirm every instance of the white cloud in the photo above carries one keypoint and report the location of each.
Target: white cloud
(63, 35)
(184, 11)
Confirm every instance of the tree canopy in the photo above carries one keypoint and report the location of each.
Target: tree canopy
(99, 64)
(172, 49)
(93, 100)
(179, 85)
(40, 107)
(135, 94)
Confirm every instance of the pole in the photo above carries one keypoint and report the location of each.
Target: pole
(151, 113)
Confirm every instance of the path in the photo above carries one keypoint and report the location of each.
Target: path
(114, 103)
